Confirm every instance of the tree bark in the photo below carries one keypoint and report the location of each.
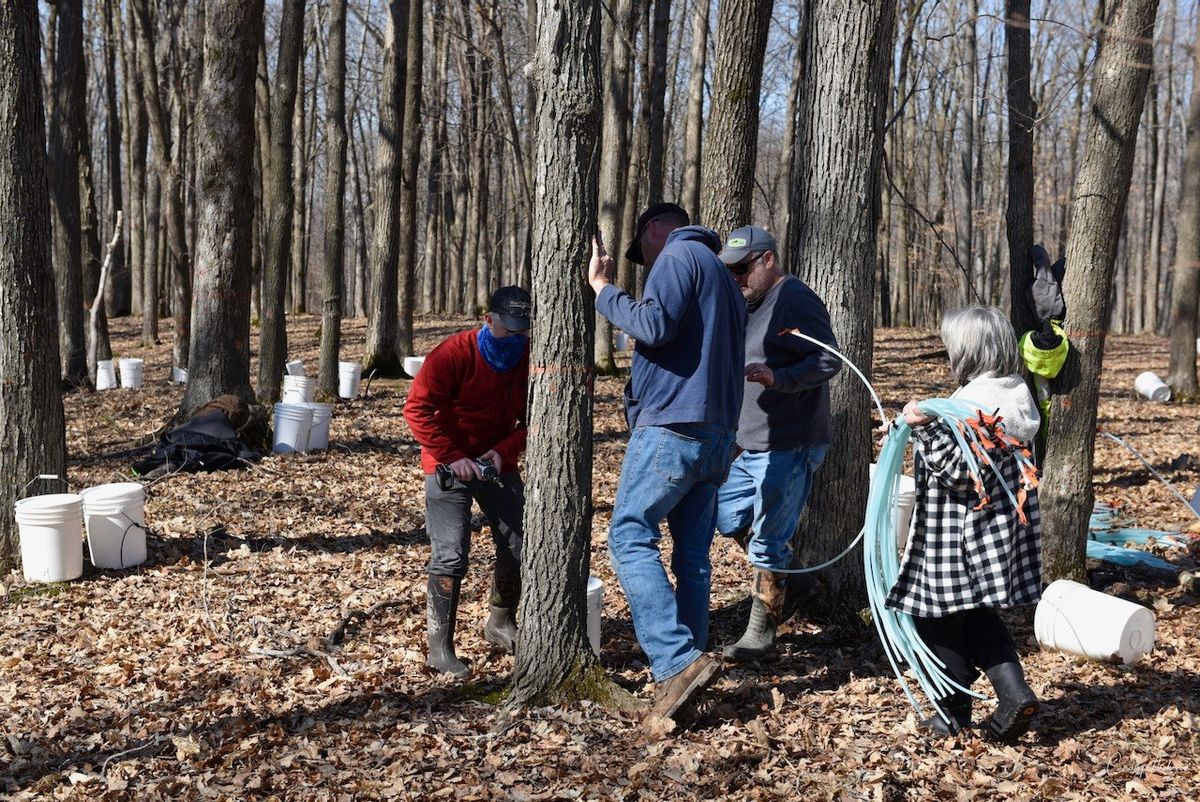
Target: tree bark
(68, 119)
(692, 142)
(733, 125)
(835, 214)
(220, 350)
(32, 432)
(554, 661)
(119, 294)
(279, 203)
(408, 251)
(334, 268)
(151, 290)
(659, 37)
(1186, 289)
(382, 320)
(1101, 191)
(137, 133)
(1019, 212)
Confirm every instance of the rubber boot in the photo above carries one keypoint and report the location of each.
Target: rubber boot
(957, 707)
(441, 609)
(766, 613)
(1017, 704)
(501, 627)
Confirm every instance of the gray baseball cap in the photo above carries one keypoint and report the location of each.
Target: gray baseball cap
(744, 241)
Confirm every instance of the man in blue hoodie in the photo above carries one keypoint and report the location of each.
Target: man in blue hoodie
(682, 403)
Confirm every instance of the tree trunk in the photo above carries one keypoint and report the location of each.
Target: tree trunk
(220, 349)
(1186, 290)
(1101, 190)
(295, 293)
(32, 433)
(835, 214)
(382, 323)
(137, 131)
(1019, 213)
(733, 125)
(279, 203)
(119, 292)
(333, 269)
(788, 160)
(692, 142)
(408, 251)
(68, 119)
(659, 36)
(554, 661)
(151, 291)
(435, 263)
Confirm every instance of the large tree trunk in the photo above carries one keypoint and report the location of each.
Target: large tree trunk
(382, 320)
(1021, 113)
(1101, 190)
(220, 349)
(733, 126)
(1186, 289)
(69, 117)
(409, 174)
(835, 214)
(692, 142)
(119, 290)
(32, 439)
(279, 203)
(655, 152)
(137, 134)
(335, 202)
(554, 661)
(151, 290)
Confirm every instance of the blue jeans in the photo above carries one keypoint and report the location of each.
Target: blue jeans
(672, 473)
(766, 491)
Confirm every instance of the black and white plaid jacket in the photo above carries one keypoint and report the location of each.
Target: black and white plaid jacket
(960, 558)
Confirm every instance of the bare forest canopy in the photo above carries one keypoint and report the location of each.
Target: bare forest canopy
(942, 239)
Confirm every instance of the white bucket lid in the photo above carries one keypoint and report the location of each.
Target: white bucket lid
(131, 361)
(594, 585)
(51, 504)
(113, 493)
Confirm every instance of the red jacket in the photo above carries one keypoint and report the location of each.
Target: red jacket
(460, 407)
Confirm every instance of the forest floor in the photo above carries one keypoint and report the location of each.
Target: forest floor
(143, 684)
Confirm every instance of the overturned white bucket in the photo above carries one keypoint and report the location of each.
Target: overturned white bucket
(1150, 386)
(413, 365)
(51, 537)
(298, 389)
(115, 517)
(595, 604)
(294, 368)
(132, 371)
(349, 376)
(106, 375)
(1075, 619)
(318, 433)
(293, 422)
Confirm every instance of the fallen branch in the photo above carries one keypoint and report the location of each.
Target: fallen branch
(99, 299)
(302, 651)
(339, 633)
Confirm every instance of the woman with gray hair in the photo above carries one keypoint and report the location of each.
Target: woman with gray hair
(973, 549)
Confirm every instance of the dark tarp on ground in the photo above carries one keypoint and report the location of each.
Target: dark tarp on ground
(207, 442)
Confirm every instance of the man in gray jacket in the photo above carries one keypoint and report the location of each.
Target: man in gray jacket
(784, 429)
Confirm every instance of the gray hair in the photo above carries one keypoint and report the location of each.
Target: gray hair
(979, 340)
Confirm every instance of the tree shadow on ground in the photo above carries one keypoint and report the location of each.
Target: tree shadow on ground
(1138, 693)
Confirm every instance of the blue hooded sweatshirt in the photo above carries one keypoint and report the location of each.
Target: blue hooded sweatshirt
(690, 327)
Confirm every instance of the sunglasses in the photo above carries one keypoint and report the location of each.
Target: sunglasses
(742, 268)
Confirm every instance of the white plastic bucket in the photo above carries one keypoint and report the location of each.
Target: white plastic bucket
(298, 389)
(1075, 619)
(1150, 386)
(131, 373)
(349, 375)
(318, 434)
(178, 375)
(293, 422)
(413, 364)
(621, 340)
(115, 516)
(906, 502)
(595, 603)
(294, 368)
(106, 375)
(51, 537)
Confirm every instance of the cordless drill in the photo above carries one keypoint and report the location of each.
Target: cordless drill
(445, 476)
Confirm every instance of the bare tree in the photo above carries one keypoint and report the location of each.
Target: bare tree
(119, 294)
(692, 170)
(335, 201)
(220, 347)
(32, 434)
(1021, 120)
(409, 175)
(1101, 190)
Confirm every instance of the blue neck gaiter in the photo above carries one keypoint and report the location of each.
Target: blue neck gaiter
(501, 353)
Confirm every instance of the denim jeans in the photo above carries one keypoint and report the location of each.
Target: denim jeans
(766, 491)
(673, 473)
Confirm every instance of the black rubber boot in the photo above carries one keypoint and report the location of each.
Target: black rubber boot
(957, 707)
(766, 613)
(1017, 706)
(501, 627)
(441, 609)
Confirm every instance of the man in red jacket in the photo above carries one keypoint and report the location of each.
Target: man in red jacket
(467, 407)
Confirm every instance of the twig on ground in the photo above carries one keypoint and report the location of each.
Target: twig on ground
(302, 651)
(137, 750)
(339, 633)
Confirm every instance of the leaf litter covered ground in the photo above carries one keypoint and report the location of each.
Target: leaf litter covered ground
(159, 682)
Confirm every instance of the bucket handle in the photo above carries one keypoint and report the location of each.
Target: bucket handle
(51, 477)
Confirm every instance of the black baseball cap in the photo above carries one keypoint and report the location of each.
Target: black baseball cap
(656, 210)
(513, 306)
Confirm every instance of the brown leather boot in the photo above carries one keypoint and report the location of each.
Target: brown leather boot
(675, 698)
(766, 613)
